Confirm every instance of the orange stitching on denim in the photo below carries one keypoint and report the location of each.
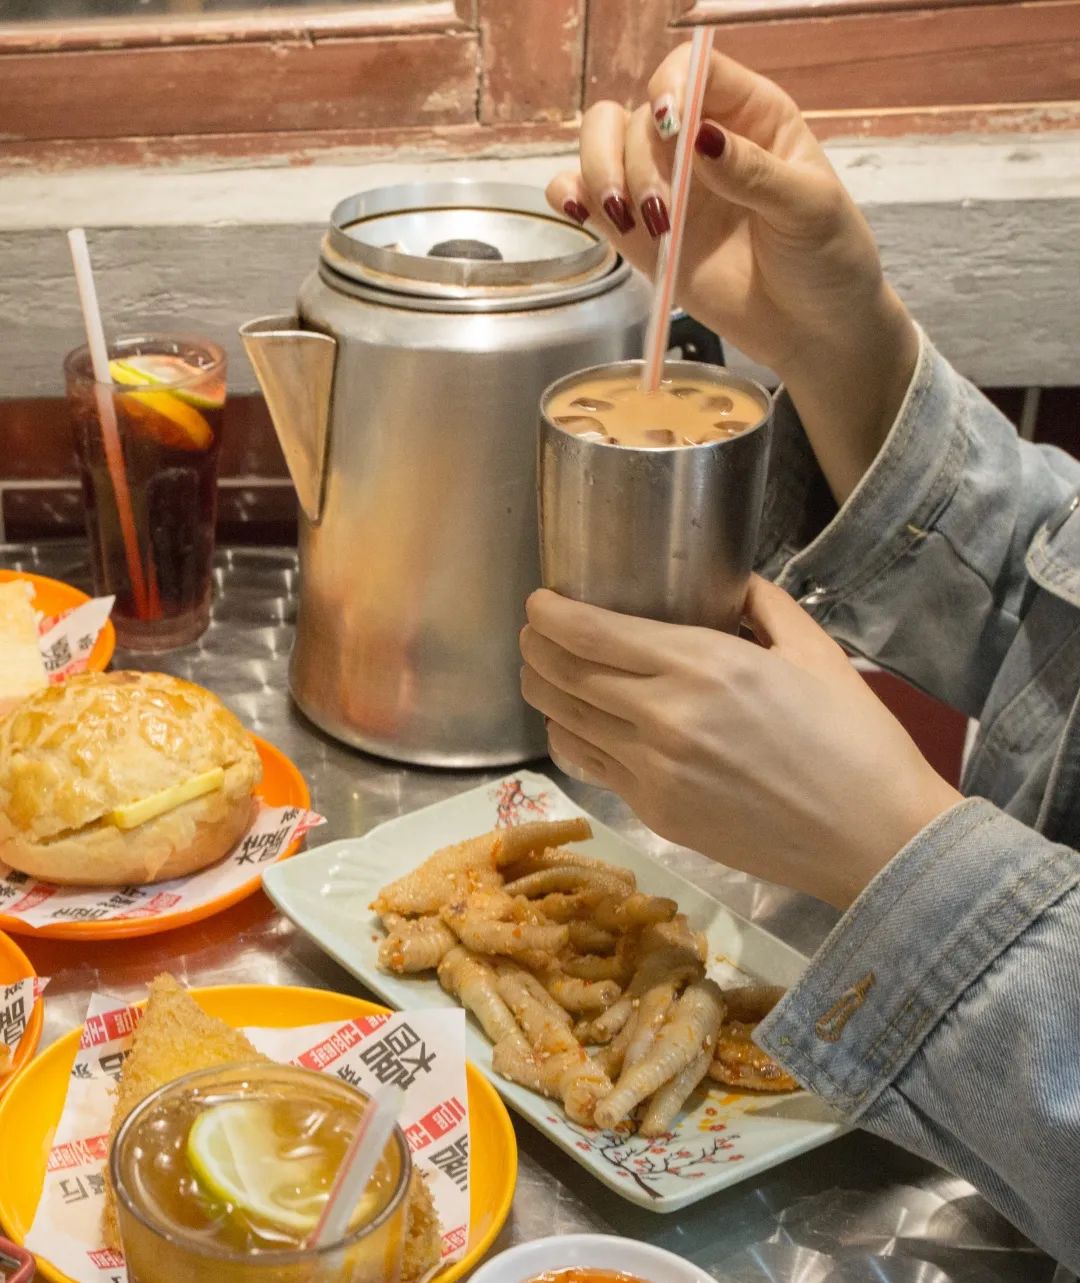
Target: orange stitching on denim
(831, 1025)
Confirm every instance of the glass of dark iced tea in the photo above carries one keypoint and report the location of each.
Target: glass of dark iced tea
(151, 499)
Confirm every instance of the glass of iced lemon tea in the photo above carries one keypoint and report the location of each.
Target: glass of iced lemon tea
(151, 528)
(223, 1174)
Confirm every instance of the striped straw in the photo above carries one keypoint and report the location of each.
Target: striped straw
(110, 433)
(667, 258)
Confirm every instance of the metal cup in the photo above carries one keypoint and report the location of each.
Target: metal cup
(665, 533)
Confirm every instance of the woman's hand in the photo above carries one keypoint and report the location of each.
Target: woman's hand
(776, 257)
(775, 758)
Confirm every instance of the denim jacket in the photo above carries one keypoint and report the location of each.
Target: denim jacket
(943, 1012)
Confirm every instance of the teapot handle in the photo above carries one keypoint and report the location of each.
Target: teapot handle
(694, 341)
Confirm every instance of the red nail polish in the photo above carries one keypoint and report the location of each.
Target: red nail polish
(576, 210)
(710, 141)
(618, 211)
(655, 216)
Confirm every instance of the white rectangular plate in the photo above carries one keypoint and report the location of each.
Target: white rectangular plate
(723, 1138)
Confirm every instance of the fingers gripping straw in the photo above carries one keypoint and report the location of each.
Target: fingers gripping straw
(667, 260)
(114, 458)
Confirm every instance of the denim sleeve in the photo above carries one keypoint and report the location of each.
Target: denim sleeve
(922, 570)
(943, 1013)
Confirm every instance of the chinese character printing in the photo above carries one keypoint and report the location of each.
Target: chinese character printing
(398, 1057)
(454, 1161)
(58, 656)
(12, 1022)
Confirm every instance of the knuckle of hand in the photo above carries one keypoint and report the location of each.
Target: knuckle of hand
(559, 741)
(596, 767)
(601, 111)
(528, 645)
(742, 674)
(785, 104)
(756, 169)
(530, 685)
(577, 715)
(583, 637)
(831, 204)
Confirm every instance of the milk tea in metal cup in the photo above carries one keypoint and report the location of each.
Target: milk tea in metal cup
(661, 519)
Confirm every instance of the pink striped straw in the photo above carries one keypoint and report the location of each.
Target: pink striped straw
(667, 258)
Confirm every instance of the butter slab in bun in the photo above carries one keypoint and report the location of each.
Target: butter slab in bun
(115, 779)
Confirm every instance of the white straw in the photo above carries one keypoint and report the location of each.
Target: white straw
(95, 331)
(667, 258)
(358, 1165)
(114, 457)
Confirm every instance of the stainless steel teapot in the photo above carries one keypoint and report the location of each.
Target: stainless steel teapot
(405, 393)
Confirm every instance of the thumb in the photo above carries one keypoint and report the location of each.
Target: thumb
(780, 624)
(747, 174)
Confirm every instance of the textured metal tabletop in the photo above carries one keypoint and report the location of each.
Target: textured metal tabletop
(857, 1209)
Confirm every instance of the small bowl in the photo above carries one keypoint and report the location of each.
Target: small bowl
(589, 1251)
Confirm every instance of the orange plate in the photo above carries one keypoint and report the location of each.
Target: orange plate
(282, 785)
(52, 597)
(28, 1116)
(15, 966)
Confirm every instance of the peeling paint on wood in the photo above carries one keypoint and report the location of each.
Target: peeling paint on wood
(756, 10)
(299, 147)
(969, 54)
(472, 141)
(261, 87)
(532, 57)
(407, 17)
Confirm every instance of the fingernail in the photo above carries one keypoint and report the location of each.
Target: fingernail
(710, 141)
(665, 116)
(617, 209)
(576, 210)
(655, 216)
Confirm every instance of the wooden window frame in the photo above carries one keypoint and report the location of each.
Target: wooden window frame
(428, 78)
(867, 68)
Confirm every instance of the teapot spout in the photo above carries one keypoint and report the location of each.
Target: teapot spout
(295, 369)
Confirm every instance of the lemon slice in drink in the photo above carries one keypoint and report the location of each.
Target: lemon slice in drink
(162, 416)
(168, 369)
(233, 1152)
(165, 415)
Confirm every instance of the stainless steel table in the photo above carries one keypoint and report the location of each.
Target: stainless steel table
(857, 1209)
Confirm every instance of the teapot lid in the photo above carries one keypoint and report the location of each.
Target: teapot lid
(486, 244)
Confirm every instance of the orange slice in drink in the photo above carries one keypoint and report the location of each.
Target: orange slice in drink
(168, 420)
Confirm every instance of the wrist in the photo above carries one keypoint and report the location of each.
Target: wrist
(848, 386)
(914, 810)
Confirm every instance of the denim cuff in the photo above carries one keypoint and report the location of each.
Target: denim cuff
(924, 930)
(821, 554)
